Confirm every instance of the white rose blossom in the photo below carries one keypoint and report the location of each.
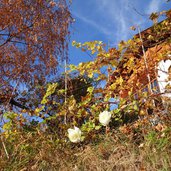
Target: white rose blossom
(74, 135)
(104, 118)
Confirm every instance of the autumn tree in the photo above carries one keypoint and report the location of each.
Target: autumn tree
(33, 38)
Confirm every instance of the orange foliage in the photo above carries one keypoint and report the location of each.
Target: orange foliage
(33, 35)
(153, 55)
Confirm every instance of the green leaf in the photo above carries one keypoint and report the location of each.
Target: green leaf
(98, 127)
(7, 125)
(72, 67)
(50, 90)
(90, 90)
(90, 75)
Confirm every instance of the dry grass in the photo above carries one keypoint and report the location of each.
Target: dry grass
(147, 149)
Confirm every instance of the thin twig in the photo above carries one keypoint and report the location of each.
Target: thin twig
(145, 62)
(65, 117)
(5, 149)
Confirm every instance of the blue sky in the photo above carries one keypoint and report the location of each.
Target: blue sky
(109, 21)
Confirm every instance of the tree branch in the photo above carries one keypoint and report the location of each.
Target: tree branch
(15, 103)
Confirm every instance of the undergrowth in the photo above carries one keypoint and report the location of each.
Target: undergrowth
(129, 147)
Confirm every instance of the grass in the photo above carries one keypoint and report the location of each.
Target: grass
(129, 148)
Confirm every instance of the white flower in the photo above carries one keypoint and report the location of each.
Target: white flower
(104, 118)
(74, 135)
